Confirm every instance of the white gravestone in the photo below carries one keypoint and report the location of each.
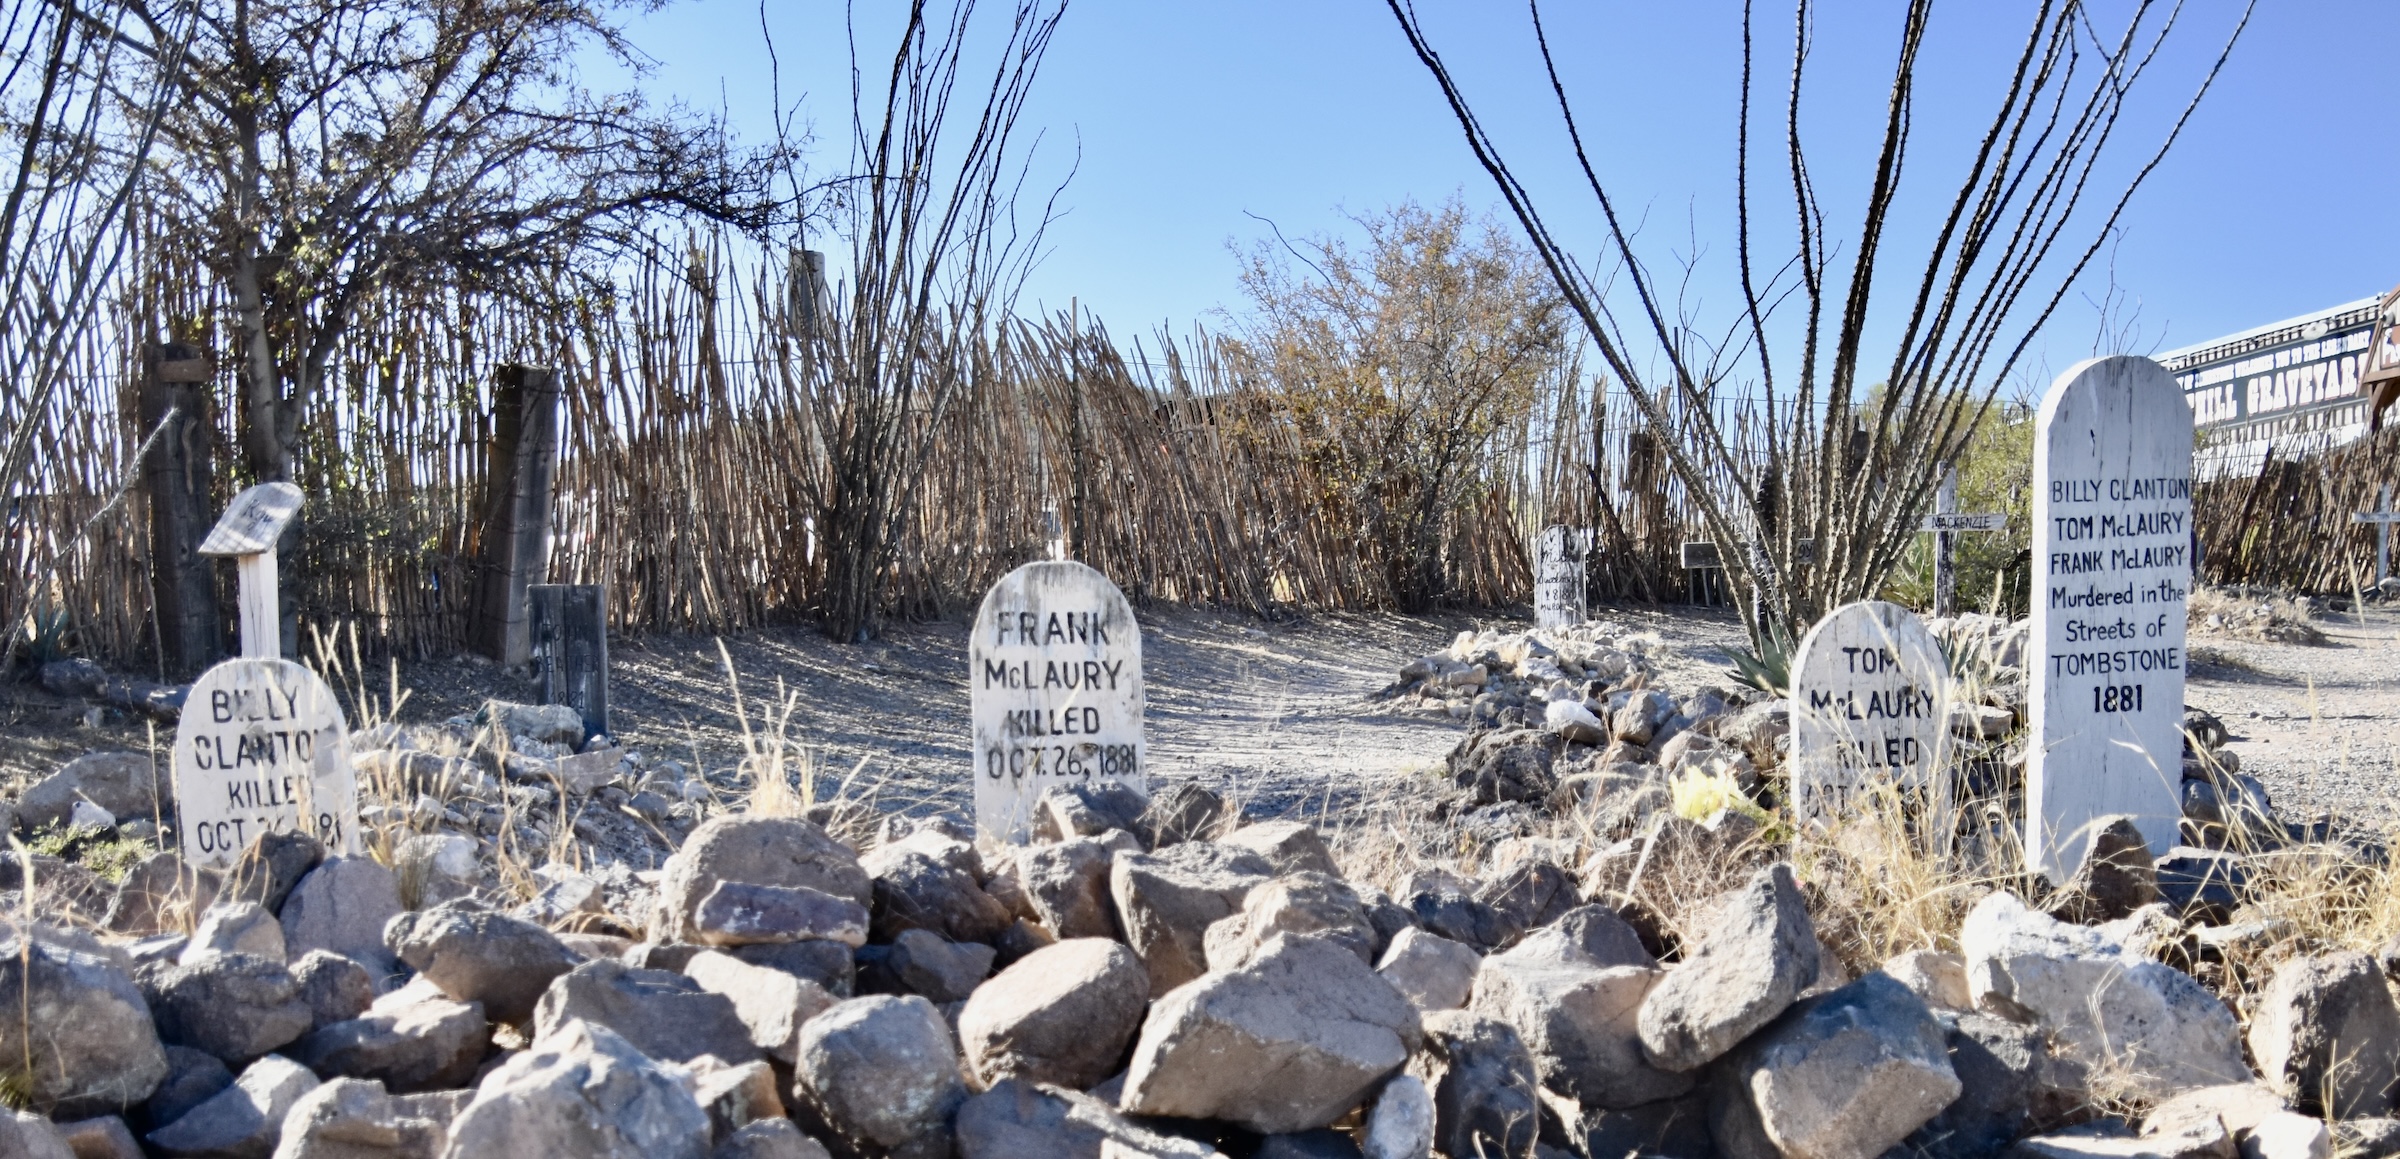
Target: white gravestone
(2112, 556)
(1558, 576)
(261, 747)
(1055, 668)
(1870, 704)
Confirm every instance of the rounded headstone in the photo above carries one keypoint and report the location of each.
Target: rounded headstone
(2112, 563)
(261, 748)
(1055, 669)
(1870, 705)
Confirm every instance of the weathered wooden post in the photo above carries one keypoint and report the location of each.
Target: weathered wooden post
(1945, 523)
(177, 475)
(568, 629)
(2382, 517)
(1055, 680)
(2112, 558)
(514, 549)
(247, 534)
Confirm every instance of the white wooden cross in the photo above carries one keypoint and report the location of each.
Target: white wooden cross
(1945, 522)
(247, 532)
(2382, 517)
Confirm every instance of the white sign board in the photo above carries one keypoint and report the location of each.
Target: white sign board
(253, 521)
(1870, 705)
(262, 748)
(1965, 521)
(2112, 557)
(1558, 576)
(1055, 668)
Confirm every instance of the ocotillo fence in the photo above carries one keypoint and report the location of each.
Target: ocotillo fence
(1171, 465)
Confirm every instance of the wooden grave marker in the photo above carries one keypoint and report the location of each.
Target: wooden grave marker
(1558, 574)
(1870, 703)
(248, 532)
(1945, 523)
(261, 747)
(1055, 672)
(567, 626)
(2382, 517)
(2112, 558)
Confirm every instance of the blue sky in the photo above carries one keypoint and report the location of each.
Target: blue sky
(1191, 117)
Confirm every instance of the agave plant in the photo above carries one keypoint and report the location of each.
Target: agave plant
(1769, 668)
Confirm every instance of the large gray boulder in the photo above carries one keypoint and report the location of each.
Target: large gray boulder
(773, 1004)
(666, 1016)
(883, 1073)
(1302, 904)
(243, 1121)
(234, 1006)
(2326, 1032)
(475, 955)
(1062, 1014)
(1431, 971)
(1846, 1075)
(270, 868)
(53, 979)
(128, 785)
(1575, 993)
(915, 890)
(358, 1119)
(1486, 1093)
(2117, 877)
(581, 1093)
(342, 907)
(193, 1077)
(1755, 953)
(1292, 1041)
(742, 913)
(1021, 1120)
(1067, 886)
(1291, 846)
(337, 989)
(155, 896)
(423, 1045)
(2009, 1087)
(926, 963)
(1167, 900)
(2105, 1005)
(785, 851)
(236, 927)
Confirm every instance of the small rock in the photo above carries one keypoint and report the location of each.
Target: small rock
(2284, 1135)
(423, 1045)
(111, 1059)
(1639, 719)
(2117, 877)
(358, 1119)
(435, 868)
(1061, 1015)
(882, 1072)
(774, 1005)
(2202, 885)
(1290, 846)
(1530, 894)
(244, 1120)
(2104, 1004)
(1021, 1120)
(828, 964)
(1506, 764)
(1401, 1125)
(1938, 977)
(666, 1016)
(478, 956)
(193, 1077)
(122, 784)
(1068, 811)
(236, 927)
(1574, 722)
(270, 867)
(2010, 1086)
(1485, 1090)
(769, 1139)
(1756, 952)
(1066, 887)
(336, 988)
(549, 724)
(2327, 1033)
(1299, 904)
(90, 818)
(585, 1084)
(915, 891)
(1847, 1075)
(1182, 812)
(342, 906)
(1456, 915)
(781, 851)
(154, 896)
(740, 913)
(1166, 901)
(733, 1096)
(923, 962)
(72, 677)
(1289, 1042)
(1431, 971)
(234, 1006)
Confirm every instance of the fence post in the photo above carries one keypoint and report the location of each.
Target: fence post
(514, 543)
(177, 475)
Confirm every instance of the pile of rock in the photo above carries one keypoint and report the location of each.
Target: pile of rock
(1483, 674)
(1149, 979)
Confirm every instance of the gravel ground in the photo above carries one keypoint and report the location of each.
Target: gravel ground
(2319, 725)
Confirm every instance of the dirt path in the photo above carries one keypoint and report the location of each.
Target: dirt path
(2318, 724)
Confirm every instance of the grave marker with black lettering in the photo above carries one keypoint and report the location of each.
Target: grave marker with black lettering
(261, 747)
(247, 533)
(1055, 679)
(1558, 573)
(2112, 571)
(1870, 705)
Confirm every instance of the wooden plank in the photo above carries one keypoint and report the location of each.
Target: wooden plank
(567, 630)
(254, 521)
